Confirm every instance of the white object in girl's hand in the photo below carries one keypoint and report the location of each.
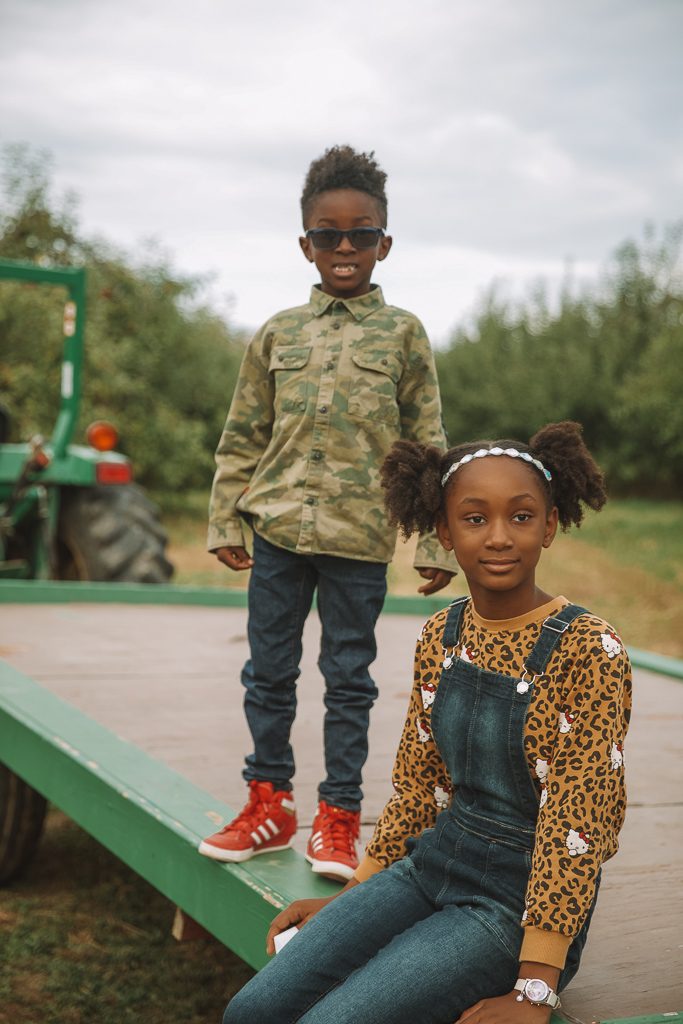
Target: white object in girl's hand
(283, 938)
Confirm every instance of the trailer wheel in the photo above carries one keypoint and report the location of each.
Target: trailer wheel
(111, 534)
(22, 814)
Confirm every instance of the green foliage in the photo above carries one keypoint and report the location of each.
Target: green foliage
(158, 363)
(611, 358)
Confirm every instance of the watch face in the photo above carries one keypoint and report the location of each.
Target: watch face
(537, 990)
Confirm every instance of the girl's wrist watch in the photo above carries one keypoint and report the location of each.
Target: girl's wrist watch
(538, 992)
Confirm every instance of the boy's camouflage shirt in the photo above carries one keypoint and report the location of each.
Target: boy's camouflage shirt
(323, 391)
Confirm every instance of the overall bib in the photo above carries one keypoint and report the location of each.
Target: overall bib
(440, 929)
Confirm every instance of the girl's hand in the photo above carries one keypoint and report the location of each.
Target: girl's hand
(236, 558)
(505, 1010)
(296, 914)
(438, 579)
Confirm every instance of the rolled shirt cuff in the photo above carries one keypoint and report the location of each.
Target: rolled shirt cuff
(225, 535)
(544, 947)
(430, 555)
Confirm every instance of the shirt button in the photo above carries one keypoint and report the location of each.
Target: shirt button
(336, 325)
(385, 362)
(323, 408)
(316, 455)
(329, 366)
(309, 501)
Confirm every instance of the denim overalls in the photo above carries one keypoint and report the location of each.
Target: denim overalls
(428, 937)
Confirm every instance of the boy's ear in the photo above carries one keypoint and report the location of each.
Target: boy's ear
(550, 527)
(443, 533)
(385, 243)
(306, 248)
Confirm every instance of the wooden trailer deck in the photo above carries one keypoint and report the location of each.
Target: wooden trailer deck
(156, 764)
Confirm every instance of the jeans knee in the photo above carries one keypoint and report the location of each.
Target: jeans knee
(238, 1011)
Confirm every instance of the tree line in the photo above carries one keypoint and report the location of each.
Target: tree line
(161, 364)
(609, 357)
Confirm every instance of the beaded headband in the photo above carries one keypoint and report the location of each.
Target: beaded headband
(482, 452)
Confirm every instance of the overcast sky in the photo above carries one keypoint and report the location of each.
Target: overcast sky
(517, 136)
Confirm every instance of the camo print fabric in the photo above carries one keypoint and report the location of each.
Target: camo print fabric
(323, 392)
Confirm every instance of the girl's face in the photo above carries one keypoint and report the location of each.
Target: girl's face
(497, 522)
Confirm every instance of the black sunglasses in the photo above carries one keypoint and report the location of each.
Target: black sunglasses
(329, 238)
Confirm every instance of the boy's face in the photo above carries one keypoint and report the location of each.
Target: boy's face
(345, 271)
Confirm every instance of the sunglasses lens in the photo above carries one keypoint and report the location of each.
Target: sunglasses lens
(364, 238)
(325, 238)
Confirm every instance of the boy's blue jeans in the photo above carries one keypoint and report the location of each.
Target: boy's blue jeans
(350, 597)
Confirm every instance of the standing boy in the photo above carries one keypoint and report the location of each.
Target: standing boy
(323, 391)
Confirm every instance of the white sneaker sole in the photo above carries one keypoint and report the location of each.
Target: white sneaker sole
(331, 869)
(236, 856)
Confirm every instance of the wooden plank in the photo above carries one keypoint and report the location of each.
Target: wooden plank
(64, 592)
(148, 815)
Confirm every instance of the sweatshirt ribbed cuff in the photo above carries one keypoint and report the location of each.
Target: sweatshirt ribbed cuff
(544, 947)
(367, 868)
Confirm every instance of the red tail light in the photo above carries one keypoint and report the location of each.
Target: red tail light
(114, 472)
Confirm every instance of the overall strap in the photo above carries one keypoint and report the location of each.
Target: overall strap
(551, 633)
(451, 630)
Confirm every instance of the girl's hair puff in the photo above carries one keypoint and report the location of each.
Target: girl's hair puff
(577, 479)
(411, 476)
(343, 167)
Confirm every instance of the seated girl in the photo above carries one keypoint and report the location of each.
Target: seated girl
(474, 897)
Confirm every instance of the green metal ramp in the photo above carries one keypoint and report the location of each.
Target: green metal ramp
(147, 815)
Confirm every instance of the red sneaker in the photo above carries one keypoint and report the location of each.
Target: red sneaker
(332, 848)
(266, 824)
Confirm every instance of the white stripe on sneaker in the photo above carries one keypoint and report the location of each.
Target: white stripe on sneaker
(256, 838)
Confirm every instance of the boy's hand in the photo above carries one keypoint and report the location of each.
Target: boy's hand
(438, 579)
(234, 558)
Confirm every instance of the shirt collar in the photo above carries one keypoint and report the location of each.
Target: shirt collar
(359, 308)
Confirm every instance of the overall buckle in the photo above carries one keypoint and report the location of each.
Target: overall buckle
(555, 624)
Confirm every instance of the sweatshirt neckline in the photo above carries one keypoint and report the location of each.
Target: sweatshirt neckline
(521, 621)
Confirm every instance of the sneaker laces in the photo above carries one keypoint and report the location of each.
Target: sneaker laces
(252, 814)
(339, 829)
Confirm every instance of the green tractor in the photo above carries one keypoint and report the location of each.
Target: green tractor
(67, 512)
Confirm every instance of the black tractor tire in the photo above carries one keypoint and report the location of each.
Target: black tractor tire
(22, 814)
(111, 534)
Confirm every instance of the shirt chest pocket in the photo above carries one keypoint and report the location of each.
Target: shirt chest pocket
(374, 382)
(288, 365)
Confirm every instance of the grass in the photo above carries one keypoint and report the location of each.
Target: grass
(84, 940)
(625, 564)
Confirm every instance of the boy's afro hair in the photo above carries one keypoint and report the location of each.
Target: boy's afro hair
(343, 167)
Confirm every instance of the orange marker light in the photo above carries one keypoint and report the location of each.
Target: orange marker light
(102, 436)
